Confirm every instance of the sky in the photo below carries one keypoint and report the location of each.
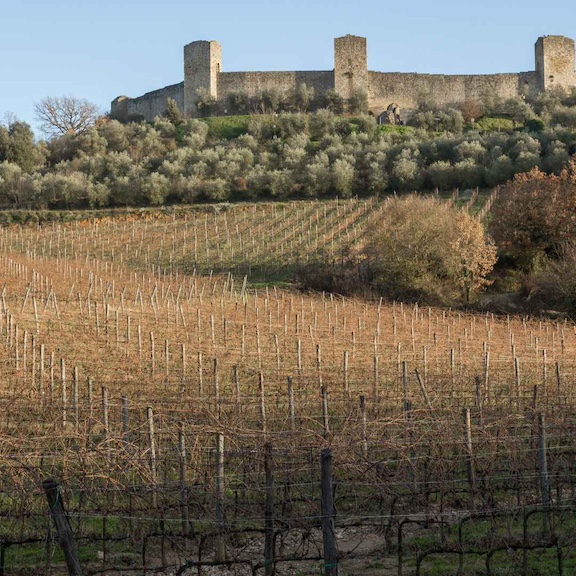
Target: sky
(97, 50)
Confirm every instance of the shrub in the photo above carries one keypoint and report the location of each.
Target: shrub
(300, 98)
(205, 102)
(346, 275)
(268, 102)
(173, 112)
(238, 102)
(405, 173)
(535, 214)
(333, 101)
(291, 124)
(358, 102)
(216, 190)
(552, 282)
(423, 249)
(534, 125)
(564, 116)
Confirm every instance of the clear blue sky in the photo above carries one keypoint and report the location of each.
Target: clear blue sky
(100, 49)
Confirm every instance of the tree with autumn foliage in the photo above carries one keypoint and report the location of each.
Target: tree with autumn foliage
(535, 214)
(424, 249)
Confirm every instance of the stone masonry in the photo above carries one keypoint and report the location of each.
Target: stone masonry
(554, 67)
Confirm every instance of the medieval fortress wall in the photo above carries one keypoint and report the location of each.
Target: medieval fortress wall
(554, 66)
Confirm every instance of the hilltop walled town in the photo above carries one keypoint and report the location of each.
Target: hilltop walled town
(387, 92)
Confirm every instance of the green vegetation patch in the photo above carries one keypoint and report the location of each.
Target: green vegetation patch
(227, 127)
(495, 124)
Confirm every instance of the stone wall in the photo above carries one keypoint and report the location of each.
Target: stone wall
(555, 61)
(149, 105)
(256, 82)
(408, 90)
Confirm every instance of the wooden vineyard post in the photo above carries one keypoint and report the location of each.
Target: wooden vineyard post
(325, 418)
(558, 381)
(152, 354)
(200, 375)
(41, 375)
(262, 402)
(487, 375)
(375, 371)
(269, 566)
(452, 372)
(60, 518)
(423, 389)
(327, 511)
(183, 488)
(544, 377)
(152, 445)
(469, 454)
(345, 370)
(220, 543)
(64, 392)
(167, 360)
(404, 384)
(183, 354)
(479, 403)
(76, 399)
(544, 479)
(125, 428)
(291, 413)
(90, 406)
(105, 420)
(364, 437)
(236, 381)
(516, 381)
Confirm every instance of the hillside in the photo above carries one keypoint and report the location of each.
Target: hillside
(123, 374)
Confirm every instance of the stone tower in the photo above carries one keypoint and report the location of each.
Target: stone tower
(350, 65)
(555, 62)
(202, 64)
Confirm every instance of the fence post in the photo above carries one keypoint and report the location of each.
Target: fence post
(183, 488)
(364, 436)
(325, 418)
(291, 404)
(125, 428)
(469, 453)
(328, 536)
(152, 447)
(63, 528)
(220, 543)
(544, 480)
(269, 566)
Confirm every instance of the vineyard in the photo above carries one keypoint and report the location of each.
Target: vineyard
(196, 423)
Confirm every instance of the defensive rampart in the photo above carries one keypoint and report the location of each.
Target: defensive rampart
(554, 66)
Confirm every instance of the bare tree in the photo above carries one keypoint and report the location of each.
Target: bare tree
(65, 115)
